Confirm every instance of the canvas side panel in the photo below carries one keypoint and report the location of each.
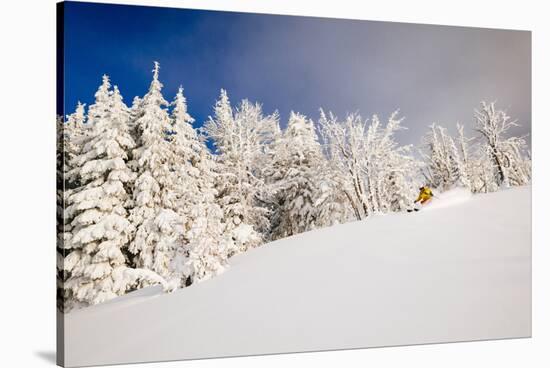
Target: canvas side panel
(60, 205)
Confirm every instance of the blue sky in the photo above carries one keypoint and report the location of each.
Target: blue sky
(432, 73)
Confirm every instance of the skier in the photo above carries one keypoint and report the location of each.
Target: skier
(424, 196)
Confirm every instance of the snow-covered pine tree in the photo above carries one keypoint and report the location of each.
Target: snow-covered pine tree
(134, 115)
(100, 228)
(159, 229)
(70, 135)
(296, 174)
(179, 225)
(74, 134)
(205, 247)
(242, 138)
(60, 205)
(507, 155)
(77, 119)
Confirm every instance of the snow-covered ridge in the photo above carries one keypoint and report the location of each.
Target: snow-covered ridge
(453, 273)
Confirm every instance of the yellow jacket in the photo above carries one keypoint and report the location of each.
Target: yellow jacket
(425, 195)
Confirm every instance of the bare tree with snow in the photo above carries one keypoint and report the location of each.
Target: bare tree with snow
(506, 154)
(463, 144)
(444, 166)
(377, 171)
(242, 137)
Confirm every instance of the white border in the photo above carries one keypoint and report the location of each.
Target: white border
(27, 180)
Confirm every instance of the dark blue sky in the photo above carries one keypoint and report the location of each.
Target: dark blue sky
(433, 73)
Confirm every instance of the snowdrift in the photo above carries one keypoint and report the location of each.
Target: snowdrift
(460, 271)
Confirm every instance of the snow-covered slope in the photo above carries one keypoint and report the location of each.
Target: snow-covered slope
(453, 273)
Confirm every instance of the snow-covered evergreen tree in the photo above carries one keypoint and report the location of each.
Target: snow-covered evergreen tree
(135, 110)
(74, 134)
(60, 205)
(158, 226)
(242, 138)
(76, 121)
(97, 208)
(205, 245)
(296, 175)
(179, 225)
(507, 155)
(70, 137)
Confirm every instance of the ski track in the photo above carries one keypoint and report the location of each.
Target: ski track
(449, 198)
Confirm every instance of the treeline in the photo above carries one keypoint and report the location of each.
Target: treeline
(142, 200)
